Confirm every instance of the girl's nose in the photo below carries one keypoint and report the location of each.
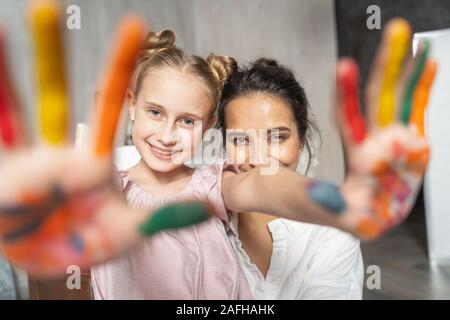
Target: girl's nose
(168, 136)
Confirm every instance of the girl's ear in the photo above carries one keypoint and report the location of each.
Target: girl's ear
(131, 101)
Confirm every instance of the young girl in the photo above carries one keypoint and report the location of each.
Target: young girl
(171, 105)
(281, 258)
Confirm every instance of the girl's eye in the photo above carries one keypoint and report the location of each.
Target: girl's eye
(188, 122)
(154, 112)
(240, 141)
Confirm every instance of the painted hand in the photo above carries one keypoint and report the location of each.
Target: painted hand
(59, 205)
(387, 152)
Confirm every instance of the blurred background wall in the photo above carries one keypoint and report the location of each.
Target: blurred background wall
(300, 34)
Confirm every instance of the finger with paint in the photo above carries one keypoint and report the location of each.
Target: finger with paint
(176, 216)
(347, 82)
(412, 83)
(421, 96)
(398, 39)
(117, 77)
(52, 99)
(12, 132)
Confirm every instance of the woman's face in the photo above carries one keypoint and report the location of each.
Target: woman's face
(263, 126)
(170, 113)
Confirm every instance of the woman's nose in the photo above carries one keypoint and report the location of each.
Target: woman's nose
(259, 154)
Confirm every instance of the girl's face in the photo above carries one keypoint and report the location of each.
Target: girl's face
(170, 113)
(279, 139)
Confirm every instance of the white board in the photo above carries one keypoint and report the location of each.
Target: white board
(437, 178)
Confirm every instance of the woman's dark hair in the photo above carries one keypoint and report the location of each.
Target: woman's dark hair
(266, 76)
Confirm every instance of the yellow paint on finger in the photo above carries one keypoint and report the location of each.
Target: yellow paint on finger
(398, 45)
(52, 97)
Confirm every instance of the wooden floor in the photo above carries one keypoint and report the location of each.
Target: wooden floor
(403, 260)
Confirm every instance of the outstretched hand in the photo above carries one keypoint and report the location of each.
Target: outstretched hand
(59, 206)
(387, 150)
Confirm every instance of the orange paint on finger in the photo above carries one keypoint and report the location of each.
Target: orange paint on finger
(421, 96)
(380, 167)
(368, 228)
(421, 156)
(118, 75)
(382, 206)
(417, 160)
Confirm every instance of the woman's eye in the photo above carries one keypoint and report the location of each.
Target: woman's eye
(277, 138)
(240, 141)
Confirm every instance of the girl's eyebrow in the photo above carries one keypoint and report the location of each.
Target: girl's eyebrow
(190, 115)
(182, 115)
(154, 104)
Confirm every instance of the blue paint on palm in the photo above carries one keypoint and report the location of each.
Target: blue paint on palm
(327, 196)
(77, 242)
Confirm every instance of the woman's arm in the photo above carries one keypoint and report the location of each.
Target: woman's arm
(284, 194)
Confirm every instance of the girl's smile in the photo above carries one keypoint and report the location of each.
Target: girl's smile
(163, 154)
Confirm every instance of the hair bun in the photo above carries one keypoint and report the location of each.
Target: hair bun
(222, 66)
(264, 62)
(158, 41)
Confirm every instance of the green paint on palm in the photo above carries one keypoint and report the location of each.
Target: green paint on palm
(175, 216)
(413, 81)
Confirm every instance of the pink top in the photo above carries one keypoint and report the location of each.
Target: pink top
(191, 263)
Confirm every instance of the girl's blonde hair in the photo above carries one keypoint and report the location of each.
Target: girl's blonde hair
(159, 50)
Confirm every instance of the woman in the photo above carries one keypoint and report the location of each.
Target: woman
(281, 258)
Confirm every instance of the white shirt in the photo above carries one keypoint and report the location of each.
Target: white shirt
(308, 262)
